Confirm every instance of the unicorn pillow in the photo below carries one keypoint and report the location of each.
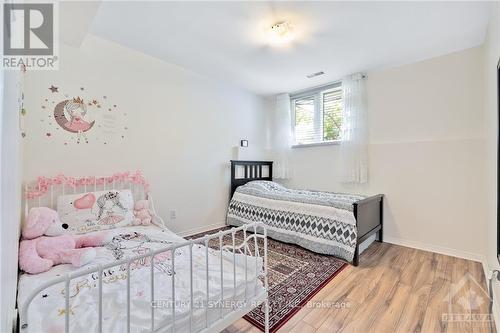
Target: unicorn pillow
(93, 211)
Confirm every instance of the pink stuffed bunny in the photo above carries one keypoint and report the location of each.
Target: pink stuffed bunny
(38, 253)
(143, 216)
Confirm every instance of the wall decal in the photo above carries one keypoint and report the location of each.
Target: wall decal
(85, 117)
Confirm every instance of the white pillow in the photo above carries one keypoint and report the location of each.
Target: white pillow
(93, 211)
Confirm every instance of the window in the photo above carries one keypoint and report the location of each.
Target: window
(317, 115)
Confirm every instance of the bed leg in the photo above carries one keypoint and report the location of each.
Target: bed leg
(381, 231)
(355, 260)
(266, 315)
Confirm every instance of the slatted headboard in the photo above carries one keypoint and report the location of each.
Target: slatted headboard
(253, 170)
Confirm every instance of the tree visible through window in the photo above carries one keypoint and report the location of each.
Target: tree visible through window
(318, 116)
(332, 115)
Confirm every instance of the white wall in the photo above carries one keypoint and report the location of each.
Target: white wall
(182, 128)
(425, 154)
(492, 55)
(10, 195)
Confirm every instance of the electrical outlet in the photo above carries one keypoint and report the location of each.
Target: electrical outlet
(173, 214)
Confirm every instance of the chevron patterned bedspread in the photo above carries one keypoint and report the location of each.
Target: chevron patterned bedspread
(322, 222)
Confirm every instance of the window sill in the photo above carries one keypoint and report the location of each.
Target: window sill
(317, 144)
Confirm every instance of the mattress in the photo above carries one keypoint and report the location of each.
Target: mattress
(47, 310)
(322, 222)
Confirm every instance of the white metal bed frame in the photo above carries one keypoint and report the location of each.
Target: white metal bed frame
(216, 326)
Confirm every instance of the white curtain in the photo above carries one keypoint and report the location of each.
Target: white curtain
(354, 144)
(282, 137)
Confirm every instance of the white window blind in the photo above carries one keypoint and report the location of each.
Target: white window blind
(317, 115)
(305, 129)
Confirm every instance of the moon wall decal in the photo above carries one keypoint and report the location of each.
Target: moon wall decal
(61, 119)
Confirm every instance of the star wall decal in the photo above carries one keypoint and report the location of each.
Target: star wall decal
(53, 88)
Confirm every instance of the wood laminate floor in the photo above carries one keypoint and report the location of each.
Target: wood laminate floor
(395, 289)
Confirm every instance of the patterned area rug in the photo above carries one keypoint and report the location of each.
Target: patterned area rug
(295, 276)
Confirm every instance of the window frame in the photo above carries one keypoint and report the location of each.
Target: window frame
(317, 93)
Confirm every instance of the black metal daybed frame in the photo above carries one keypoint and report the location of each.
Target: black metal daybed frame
(369, 212)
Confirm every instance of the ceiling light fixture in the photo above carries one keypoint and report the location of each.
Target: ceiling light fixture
(281, 33)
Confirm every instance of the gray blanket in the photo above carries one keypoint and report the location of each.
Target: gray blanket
(322, 222)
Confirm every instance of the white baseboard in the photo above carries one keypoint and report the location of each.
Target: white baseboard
(435, 248)
(204, 228)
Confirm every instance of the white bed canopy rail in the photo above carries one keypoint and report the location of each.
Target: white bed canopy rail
(44, 194)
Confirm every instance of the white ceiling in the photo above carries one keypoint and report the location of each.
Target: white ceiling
(75, 20)
(225, 40)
